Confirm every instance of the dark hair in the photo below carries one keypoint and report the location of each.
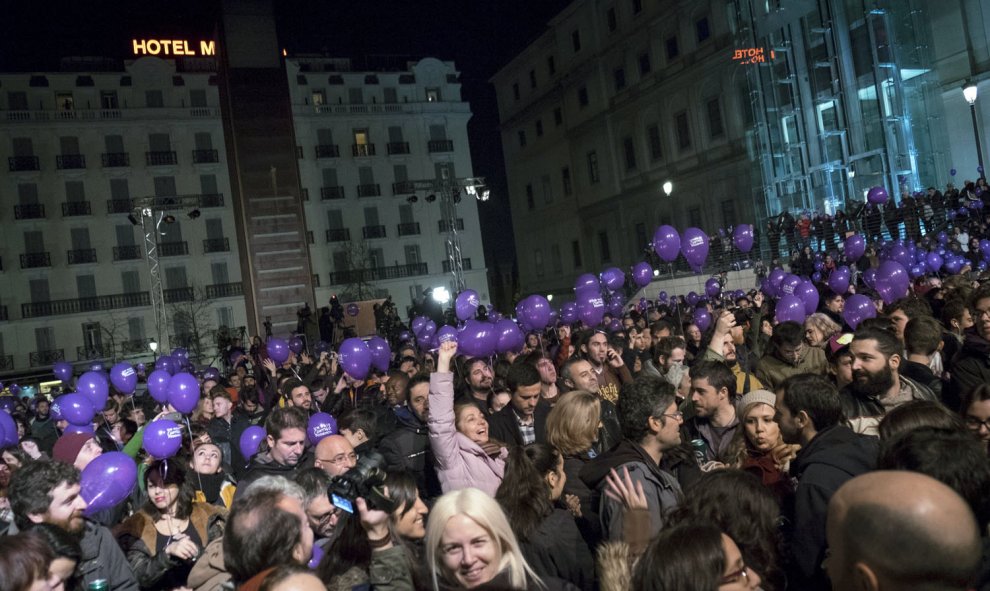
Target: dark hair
(786, 334)
(285, 417)
(916, 414)
(717, 373)
(912, 306)
(407, 359)
(360, 418)
(643, 398)
(259, 534)
(62, 543)
(887, 342)
(420, 378)
(31, 487)
(666, 345)
(314, 482)
(815, 395)
(981, 293)
(953, 309)
(524, 493)
(289, 385)
(662, 325)
(977, 394)
(128, 426)
(688, 556)
(163, 473)
(24, 558)
(248, 394)
(521, 374)
(922, 335)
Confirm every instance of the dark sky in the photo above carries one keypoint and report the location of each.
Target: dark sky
(479, 35)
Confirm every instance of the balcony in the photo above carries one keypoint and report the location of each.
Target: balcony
(435, 146)
(81, 256)
(403, 187)
(179, 294)
(6, 362)
(134, 347)
(29, 211)
(94, 352)
(120, 205)
(338, 235)
(362, 149)
(21, 163)
(129, 252)
(327, 151)
(224, 290)
(75, 208)
(328, 193)
(86, 305)
(205, 156)
(39, 358)
(374, 231)
(378, 273)
(372, 190)
(465, 264)
(409, 229)
(116, 159)
(173, 249)
(211, 200)
(443, 227)
(70, 161)
(216, 245)
(397, 148)
(36, 260)
(166, 158)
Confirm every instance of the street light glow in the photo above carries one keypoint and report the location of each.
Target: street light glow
(441, 295)
(153, 345)
(969, 91)
(668, 188)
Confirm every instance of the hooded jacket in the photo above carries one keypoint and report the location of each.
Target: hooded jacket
(263, 465)
(408, 448)
(772, 372)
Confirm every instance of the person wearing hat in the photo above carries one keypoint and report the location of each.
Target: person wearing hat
(77, 449)
(840, 360)
(758, 448)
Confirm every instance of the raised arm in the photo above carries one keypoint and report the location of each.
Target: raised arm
(441, 422)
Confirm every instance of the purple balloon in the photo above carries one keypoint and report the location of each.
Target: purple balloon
(62, 371)
(838, 281)
(854, 248)
(314, 560)
(877, 195)
(447, 334)
(353, 309)
(165, 363)
(8, 403)
(667, 243)
(466, 304)
(702, 318)
(591, 310)
(870, 277)
(158, 385)
(381, 353)
(96, 387)
(858, 308)
(692, 298)
(355, 357)
(429, 329)
(536, 312)
(124, 378)
(934, 262)
(790, 308)
(79, 430)
(162, 438)
(418, 323)
(776, 276)
(789, 284)
(808, 294)
(695, 248)
(183, 392)
(713, 288)
(917, 270)
(251, 440)
(613, 278)
(320, 425)
(296, 345)
(278, 350)
(107, 481)
(211, 373)
(8, 430)
(642, 274)
(510, 338)
(180, 353)
(985, 248)
(816, 277)
(75, 408)
(742, 237)
(477, 338)
(954, 264)
(892, 281)
(586, 281)
(569, 313)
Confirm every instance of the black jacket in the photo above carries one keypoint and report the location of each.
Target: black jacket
(588, 523)
(833, 457)
(504, 427)
(610, 434)
(408, 448)
(102, 558)
(263, 465)
(922, 374)
(557, 549)
(969, 369)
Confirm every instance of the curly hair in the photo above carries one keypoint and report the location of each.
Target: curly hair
(31, 487)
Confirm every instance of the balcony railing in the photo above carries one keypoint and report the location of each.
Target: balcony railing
(29, 211)
(378, 273)
(362, 149)
(409, 229)
(224, 290)
(397, 147)
(39, 358)
(440, 146)
(116, 159)
(179, 294)
(374, 231)
(95, 352)
(85, 305)
(36, 260)
(173, 249)
(134, 346)
(6, 362)
(327, 193)
(443, 227)
(74, 208)
(70, 161)
(205, 156)
(338, 235)
(211, 200)
(160, 158)
(465, 264)
(120, 205)
(327, 151)
(403, 187)
(216, 245)
(372, 190)
(19, 163)
(81, 256)
(128, 252)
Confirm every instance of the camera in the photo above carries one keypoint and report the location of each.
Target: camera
(366, 479)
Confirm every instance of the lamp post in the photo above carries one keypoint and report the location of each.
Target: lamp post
(153, 345)
(668, 188)
(969, 92)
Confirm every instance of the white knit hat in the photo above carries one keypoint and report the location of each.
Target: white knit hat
(764, 396)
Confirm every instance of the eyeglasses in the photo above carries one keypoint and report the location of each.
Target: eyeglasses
(338, 460)
(975, 423)
(741, 575)
(677, 416)
(980, 313)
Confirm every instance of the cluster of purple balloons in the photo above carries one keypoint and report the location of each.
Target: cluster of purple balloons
(693, 244)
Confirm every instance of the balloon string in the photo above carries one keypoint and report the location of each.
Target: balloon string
(199, 477)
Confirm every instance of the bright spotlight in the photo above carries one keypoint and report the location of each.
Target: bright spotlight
(440, 295)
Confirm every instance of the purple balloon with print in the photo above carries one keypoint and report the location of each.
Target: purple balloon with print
(353, 309)
(789, 284)
(854, 247)
(877, 195)
(320, 425)
(586, 281)
(158, 385)
(296, 345)
(510, 338)
(162, 438)
(107, 481)
(713, 288)
(742, 237)
(96, 387)
(790, 308)
(857, 309)
(8, 430)
(917, 270)
(75, 408)
(124, 378)
(250, 441)
(165, 363)
(702, 318)
(62, 371)
(695, 247)
(183, 392)
(536, 312)
(381, 353)
(466, 304)
(355, 357)
(642, 274)
(808, 294)
(667, 243)
(478, 339)
(569, 313)
(447, 334)
(278, 350)
(591, 310)
(613, 278)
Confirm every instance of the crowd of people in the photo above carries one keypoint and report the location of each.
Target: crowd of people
(646, 452)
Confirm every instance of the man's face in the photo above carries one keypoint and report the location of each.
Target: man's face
(836, 304)
(300, 396)
(111, 416)
(65, 510)
(322, 516)
(729, 351)
(873, 372)
(480, 378)
(548, 373)
(395, 390)
(842, 367)
(706, 398)
(235, 381)
(900, 320)
(670, 433)
(208, 385)
(583, 376)
(87, 453)
(790, 431)
(43, 409)
(419, 401)
(524, 400)
(981, 316)
(250, 382)
(627, 323)
(410, 368)
(288, 449)
(222, 407)
(137, 415)
(304, 550)
(792, 354)
(335, 456)
(597, 348)
(676, 357)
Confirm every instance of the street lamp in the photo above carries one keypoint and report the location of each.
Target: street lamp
(969, 92)
(668, 188)
(153, 345)
(441, 295)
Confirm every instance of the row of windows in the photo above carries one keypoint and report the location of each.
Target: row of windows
(66, 100)
(75, 190)
(356, 96)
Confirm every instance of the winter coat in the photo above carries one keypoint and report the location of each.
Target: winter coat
(589, 523)
(46, 434)
(408, 448)
(864, 414)
(461, 463)
(102, 558)
(834, 456)
(504, 426)
(969, 369)
(557, 549)
(772, 372)
(263, 465)
(137, 536)
(209, 573)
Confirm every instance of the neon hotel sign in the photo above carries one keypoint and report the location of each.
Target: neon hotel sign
(173, 47)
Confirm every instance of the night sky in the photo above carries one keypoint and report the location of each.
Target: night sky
(480, 36)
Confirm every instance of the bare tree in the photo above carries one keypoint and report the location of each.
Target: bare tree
(359, 284)
(113, 329)
(194, 323)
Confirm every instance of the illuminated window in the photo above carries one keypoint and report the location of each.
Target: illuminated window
(319, 98)
(432, 95)
(64, 101)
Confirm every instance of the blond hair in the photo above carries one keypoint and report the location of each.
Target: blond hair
(823, 324)
(572, 425)
(782, 453)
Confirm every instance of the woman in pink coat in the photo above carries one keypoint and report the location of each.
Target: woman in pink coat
(459, 435)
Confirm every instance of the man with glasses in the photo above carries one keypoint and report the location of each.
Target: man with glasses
(788, 356)
(335, 455)
(971, 366)
(322, 516)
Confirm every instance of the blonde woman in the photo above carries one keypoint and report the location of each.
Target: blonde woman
(758, 447)
(572, 428)
(818, 329)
